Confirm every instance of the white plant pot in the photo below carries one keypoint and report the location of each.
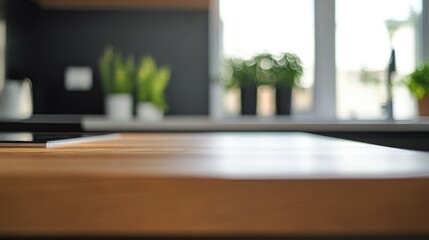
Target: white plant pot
(119, 106)
(16, 100)
(148, 112)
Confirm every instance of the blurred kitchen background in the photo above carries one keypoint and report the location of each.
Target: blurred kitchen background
(344, 46)
(43, 38)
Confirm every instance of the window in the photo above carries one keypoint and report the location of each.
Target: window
(366, 31)
(250, 27)
(352, 83)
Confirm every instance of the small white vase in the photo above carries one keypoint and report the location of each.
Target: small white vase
(146, 111)
(119, 106)
(16, 100)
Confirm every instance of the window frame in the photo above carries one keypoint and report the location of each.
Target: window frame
(324, 88)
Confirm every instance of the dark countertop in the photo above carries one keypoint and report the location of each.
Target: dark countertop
(201, 123)
(204, 123)
(407, 134)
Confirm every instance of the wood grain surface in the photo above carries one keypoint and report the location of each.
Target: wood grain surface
(214, 184)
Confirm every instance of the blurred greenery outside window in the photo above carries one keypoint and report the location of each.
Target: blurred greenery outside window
(365, 31)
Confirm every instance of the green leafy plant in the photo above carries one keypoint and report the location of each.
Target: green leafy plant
(287, 70)
(418, 81)
(241, 73)
(116, 72)
(152, 82)
(263, 69)
(245, 73)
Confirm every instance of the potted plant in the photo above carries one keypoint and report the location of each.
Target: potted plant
(151, 85)
(286, 72)
(243, 76)
(418, 83)
(117, 75)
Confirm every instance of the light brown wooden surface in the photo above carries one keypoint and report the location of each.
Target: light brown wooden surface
(214, 184)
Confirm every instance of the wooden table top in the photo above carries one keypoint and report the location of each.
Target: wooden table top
(214, 184)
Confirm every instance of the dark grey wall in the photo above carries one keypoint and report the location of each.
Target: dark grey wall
(42, 43)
